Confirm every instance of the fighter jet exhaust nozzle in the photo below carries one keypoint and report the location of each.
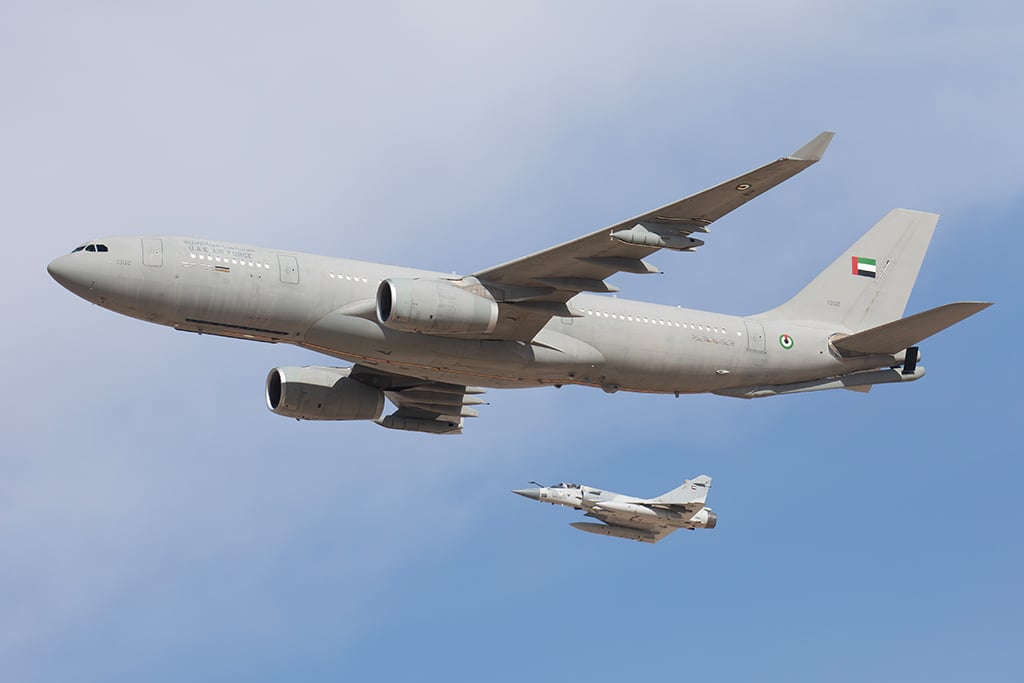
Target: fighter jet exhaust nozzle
(712, 520)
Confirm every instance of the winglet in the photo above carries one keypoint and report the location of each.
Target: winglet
(815, 149)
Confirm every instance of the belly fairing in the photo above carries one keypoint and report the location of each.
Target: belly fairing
(552, 359)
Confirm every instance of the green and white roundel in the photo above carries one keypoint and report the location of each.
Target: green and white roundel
(785, 341)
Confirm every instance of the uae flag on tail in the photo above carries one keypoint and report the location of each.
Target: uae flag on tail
(863, 266)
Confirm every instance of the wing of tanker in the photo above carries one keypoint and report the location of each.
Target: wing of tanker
(423, 406)
(532, 289)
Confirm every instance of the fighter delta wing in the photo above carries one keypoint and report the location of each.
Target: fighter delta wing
(532, 289)
(647, 520)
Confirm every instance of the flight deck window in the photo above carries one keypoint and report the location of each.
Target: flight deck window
(101, 247)
(78, 249)
(91, 247)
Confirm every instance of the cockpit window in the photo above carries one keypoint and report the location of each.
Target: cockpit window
(564, 485)
(91, 247)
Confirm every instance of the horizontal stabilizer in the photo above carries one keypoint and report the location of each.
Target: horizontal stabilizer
(891, 338)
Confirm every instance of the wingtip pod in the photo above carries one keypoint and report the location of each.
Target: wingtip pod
(815, 149)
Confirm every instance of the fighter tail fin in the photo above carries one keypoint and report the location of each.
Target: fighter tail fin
(868, 285)
(692, 491)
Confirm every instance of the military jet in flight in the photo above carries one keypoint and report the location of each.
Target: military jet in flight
(647, 520)
(431, 342)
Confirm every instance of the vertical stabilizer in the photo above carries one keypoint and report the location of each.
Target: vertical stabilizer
(868, 285)
(692, 491)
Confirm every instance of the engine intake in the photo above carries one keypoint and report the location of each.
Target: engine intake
(435, 307)
(314, 393)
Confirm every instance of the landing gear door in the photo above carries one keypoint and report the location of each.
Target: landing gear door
(755, 336)
(152, 251)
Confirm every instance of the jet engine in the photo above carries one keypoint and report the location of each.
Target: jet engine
(313, 393)
(706, 518)
(435, 307)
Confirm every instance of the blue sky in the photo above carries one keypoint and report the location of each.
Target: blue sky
(158, 523)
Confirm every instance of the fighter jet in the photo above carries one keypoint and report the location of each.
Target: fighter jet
(431, 342)
(647, 520)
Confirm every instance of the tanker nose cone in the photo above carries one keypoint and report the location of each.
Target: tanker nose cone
(532, 494)
(62, 270)
(72, 274)
(59, 271)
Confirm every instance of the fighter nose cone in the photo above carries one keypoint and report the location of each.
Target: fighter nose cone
(532, 494)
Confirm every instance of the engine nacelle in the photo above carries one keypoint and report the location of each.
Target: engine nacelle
(705, 519)
(435, 307)
(314, 393)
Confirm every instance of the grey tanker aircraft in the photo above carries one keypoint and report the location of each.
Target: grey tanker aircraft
(647, 520)
(431, 342)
